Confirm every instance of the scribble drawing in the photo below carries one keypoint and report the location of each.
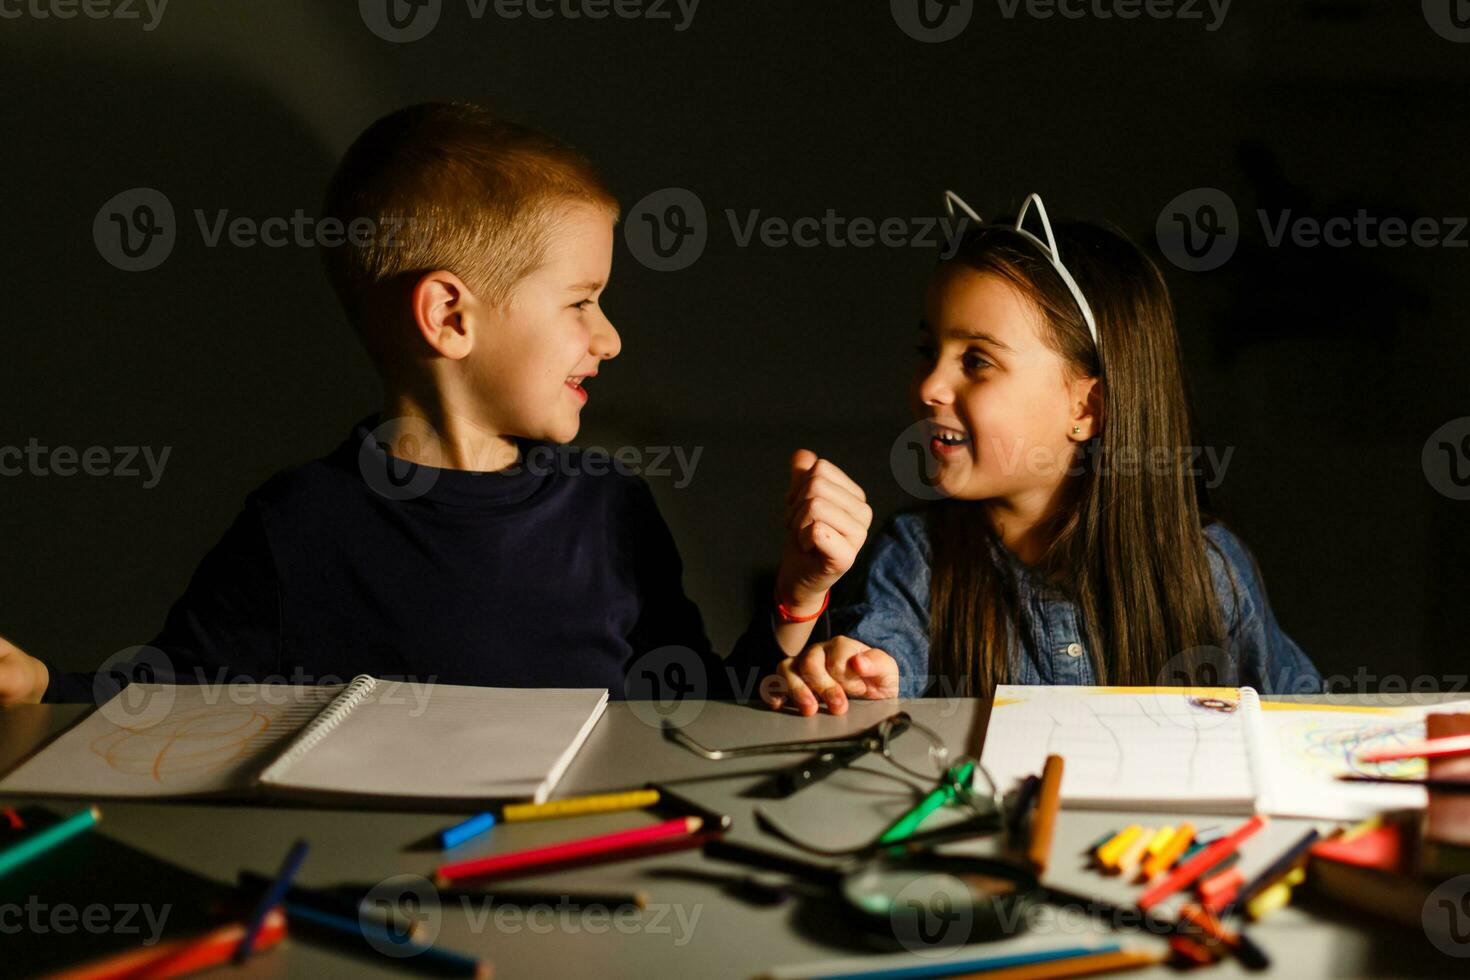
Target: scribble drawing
(1332, 749)
(204, 739)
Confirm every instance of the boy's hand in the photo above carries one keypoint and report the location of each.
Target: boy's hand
(833, 671)
(827, 518)
(23, 678)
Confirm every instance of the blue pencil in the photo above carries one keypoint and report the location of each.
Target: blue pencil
(867, 969)
(461, 832)
(271, 898)
(398, 945)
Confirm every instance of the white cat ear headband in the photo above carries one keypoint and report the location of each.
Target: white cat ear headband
(1048, 249)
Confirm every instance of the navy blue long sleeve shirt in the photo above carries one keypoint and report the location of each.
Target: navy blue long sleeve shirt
(559, 572)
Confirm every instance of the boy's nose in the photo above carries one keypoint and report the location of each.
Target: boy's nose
(605, 340)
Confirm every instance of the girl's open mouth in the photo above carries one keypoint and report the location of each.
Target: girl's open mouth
(945, 441)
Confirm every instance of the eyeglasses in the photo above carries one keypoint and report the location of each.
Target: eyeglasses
(1048, 249)
(927, 760)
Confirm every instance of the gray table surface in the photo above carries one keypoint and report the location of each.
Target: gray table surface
(694, 926)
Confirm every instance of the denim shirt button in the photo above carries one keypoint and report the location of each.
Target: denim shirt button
(1074, 649)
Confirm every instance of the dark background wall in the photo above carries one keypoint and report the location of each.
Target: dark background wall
(1326, 369)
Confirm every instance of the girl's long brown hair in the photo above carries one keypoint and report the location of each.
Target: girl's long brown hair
(1128, 549)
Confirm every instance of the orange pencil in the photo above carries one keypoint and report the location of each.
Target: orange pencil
(1048, 802)
(1077, 966)
(178, 957)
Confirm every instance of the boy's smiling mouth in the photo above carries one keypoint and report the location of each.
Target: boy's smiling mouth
(575, 383)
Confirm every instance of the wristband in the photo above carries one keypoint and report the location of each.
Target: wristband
(786, 616)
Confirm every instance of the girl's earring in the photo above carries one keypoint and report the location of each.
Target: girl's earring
(1076, 429)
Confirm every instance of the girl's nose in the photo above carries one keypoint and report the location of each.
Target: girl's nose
(934, 389)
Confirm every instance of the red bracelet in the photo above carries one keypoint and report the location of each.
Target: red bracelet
(787, 616)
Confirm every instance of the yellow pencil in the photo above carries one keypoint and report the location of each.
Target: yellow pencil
(1108, 854)
(578, 806)
(1179, 841)
(1134, 853)
(1160, 841)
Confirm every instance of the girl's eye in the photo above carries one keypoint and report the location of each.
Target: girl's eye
(974, 362)
(584, 304)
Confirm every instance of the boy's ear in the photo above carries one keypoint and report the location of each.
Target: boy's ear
(441, 303)
(1087, 408)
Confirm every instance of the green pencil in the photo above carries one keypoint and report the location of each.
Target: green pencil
(941, 795)
(42, 841)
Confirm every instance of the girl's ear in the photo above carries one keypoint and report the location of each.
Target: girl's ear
(1087, 409)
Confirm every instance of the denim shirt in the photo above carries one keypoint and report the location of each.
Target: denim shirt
(893, 615)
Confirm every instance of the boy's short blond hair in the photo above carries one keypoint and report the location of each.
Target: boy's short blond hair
(449, 186)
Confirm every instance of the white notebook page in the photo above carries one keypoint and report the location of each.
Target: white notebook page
(1124, 748)
(446, 741)
(172, 740)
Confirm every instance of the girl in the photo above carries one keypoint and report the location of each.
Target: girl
(1072, 542)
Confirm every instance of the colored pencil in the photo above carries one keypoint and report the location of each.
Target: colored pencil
(579, 806)
(1274, 872)
(461, 832)
(271, 897)
(41, 841)
(1048, 802)
(331, 901)
(1444, 785)
(547, 858)
(915, 968)
(1108, 854)
(1186, 873)
(940, 795)
(1429, 748)
(405, 949)
(1077, 966)
(13, 818)
(176, 957)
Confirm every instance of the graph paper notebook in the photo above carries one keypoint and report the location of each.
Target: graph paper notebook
(393, 743)
(1156, 749)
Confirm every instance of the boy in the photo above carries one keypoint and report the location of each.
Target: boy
(452, 537)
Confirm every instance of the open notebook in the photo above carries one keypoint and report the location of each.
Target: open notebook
(391, 743)
(1154, 749)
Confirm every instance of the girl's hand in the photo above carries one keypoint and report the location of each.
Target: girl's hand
(833, 671)
(23, 678)
(827, 518)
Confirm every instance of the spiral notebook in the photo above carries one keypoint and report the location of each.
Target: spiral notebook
(1140, 748)
(391, 743)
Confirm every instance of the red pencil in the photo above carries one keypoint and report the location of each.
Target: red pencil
(1430, 748)
(1186, 873)
(546, 858)
(178, 957)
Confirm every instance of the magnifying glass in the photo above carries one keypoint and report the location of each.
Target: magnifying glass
(915, 900)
